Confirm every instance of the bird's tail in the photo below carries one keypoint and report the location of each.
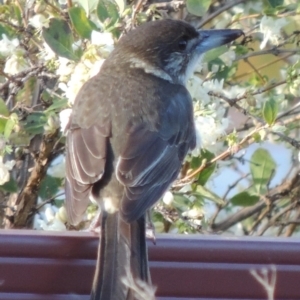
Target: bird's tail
(122, 259)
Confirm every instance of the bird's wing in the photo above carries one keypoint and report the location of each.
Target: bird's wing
(86, 148)
(151, 159)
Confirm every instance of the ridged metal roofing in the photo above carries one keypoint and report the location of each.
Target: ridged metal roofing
(59, 266)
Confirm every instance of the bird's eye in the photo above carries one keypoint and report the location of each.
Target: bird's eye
(182, 44)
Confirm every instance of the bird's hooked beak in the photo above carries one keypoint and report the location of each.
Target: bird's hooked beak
(209, 39)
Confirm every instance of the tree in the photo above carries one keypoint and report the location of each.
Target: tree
(244, 95)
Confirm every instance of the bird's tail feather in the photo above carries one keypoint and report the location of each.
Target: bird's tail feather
(122, 252)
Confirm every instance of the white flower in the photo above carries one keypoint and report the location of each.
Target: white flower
(208, 131)
(49, 218)
(65, 68)
(55, 225)
(79, 76)
(193, 213)
(64, 117)
(94, 70)
(39, 21)
(104, 40)
(15, 64)
(168, 198)
(7, 47)
(77, 45)
(47, 53)
(199, 89)
(49, 213)
(270, 27)
(62, 214)
(4, 170)
(294, 87)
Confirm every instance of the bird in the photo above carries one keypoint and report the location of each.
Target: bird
(129, 132)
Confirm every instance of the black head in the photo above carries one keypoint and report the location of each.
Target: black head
(169, 48)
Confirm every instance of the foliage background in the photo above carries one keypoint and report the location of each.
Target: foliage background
(246, 100)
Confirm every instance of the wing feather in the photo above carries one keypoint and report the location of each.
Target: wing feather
(151, 159)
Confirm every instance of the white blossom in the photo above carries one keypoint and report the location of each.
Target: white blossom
(193, 213)
(168, 198)
(50, 218)
(16, 63)
(49, 213)
(208, 131)
(270, 27)
(39, 21)
(79, 76)
(64, 117)
(7, 46)
(62, 214)
(4, 170)
(47, 53)
(95, 68)
(104, 40)
(65, 68)
(294, 87)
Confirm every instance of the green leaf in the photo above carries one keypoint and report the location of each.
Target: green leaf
(88, 5)
(57, 105)
(275, 3)
(214, 53)
(3, 108)
(198, 7)
(10, 186)
(49, 187)
(17, 12)
(10, 124)
(181, 201)
(107, 12)
(4, 113)
(206, 193)
(270, 111)
(262, 167)
(4, 29)
(196, 162)
(35, 123)
(20, 138)
(59, 202)
(59, 38)
(244, 199)
(241, 50)
(80, 22)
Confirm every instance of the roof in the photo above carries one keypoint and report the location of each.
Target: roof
(39, 265)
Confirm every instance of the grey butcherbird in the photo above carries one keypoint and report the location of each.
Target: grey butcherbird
(130, 130)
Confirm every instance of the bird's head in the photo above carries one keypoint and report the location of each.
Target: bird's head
(169, 49)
